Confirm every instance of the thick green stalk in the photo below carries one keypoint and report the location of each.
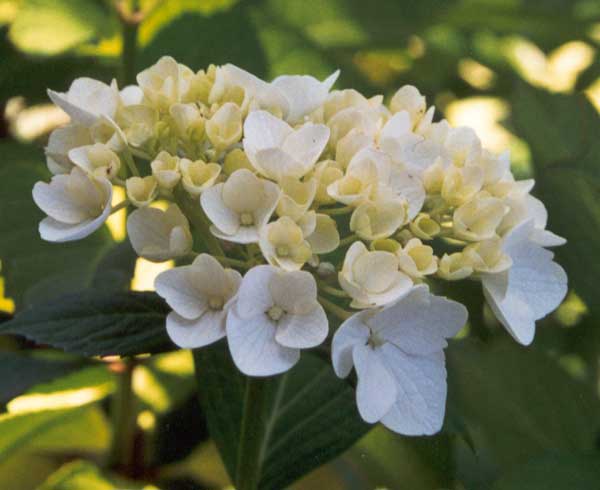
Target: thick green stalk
(123, 414)
(250, 449)
(130, 21)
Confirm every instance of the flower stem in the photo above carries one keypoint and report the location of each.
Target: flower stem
(334, 309)
(348, 240)
(250, 450)
(338, 293)
(130, 20)
(233, 262)
(123, 415)
(336, 211)
(121, 205)
(131, 163)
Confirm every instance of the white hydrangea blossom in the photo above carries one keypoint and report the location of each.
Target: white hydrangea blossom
(328, 201)
(397, 352)
(200, 295)
(276, 314)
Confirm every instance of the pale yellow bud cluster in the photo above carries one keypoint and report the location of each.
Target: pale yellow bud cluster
(286, 172)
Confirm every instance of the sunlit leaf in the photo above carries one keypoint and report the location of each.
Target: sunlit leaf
(49, 27)
(76, 389)
(31, 370)
(83, 475)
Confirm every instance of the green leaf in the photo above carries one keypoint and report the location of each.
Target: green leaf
(294, 422)
(18, 429)
(83, 475)
(33, 269)
(116, 268)
(76, 389)
(198, 40)
(37, 454)
(31, 370)
(50, 27)
(562, 131)
(519, 400)
(554, 471)
(97, 324)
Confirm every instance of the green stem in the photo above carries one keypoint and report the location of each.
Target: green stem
(194, 212)
(130, 22)
(336, 211)
(121, 205)
(348, 240)
(233, 262)
(335, 309)
(131, 163)
(338, 293)
(123, 415)
(250, 448)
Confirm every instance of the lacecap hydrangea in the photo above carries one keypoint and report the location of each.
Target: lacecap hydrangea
(318, 219)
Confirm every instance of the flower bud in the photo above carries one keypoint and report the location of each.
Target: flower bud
(454, 267)
(224, 128)
(424, 227)
(159, 235)
(198, 176)
(141, 191)
(165, 169)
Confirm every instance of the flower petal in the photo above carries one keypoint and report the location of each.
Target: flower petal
(254, 295)
(190, 334)
(376, 389)
(421, 392)
(253, 347)
(420, 322)
(176, 286)
(303, 331)
(350, 333)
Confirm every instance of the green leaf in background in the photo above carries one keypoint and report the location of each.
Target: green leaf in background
(73, 390)
(198, 40)
(563, 133)
(94, 323)
(519, 401)
(32, 370)
(554, 471)
(33, 458)
(83, 475)
(116, 268)
(50, 27)
(33, 269)
(307, 416)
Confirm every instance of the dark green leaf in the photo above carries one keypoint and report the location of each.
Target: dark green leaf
(519, 400)
(554, 471)
(562, 131)
(36, 270)
(199, 40)
(97, 324)
(303, 419)
(116, 268)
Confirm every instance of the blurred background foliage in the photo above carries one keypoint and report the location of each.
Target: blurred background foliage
(524, 73)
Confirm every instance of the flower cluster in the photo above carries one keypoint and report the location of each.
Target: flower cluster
(326, 201)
